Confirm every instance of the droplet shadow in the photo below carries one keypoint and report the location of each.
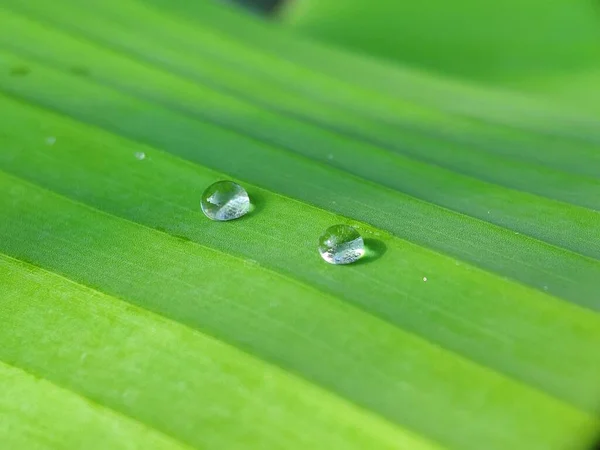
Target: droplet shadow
(374, 249)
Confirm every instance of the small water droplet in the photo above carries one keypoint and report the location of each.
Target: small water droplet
(341, 244)
(545, 288)
(50, 140)
(140, 155)
(424, 278)
(330, 157)
(225, 200)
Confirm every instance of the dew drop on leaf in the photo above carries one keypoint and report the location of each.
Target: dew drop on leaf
(341, 244)
(140, 155)
(225, 200)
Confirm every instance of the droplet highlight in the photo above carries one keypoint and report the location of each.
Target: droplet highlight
(225, 200)
(140, 156)
(341, 244)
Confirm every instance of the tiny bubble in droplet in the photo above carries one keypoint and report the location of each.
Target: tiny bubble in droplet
(140, 155)
(225, 200)
(341, 244)
(50, 140)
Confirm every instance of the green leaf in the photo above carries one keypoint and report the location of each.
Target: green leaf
(550, 48)
(473, 322)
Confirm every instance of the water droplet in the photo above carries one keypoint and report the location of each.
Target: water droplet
(225, 200)
(545, 288)
(50, 140)
(424, 278)
(330, 157)
(341, 244)
(140, 155)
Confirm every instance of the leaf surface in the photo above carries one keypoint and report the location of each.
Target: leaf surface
(477, 303)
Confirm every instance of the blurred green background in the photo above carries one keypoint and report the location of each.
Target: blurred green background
(551, 48)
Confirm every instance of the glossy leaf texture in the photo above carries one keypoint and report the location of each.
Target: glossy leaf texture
(130, 320)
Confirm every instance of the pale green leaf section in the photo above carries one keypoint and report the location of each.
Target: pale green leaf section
(36, 414)
(217, 396)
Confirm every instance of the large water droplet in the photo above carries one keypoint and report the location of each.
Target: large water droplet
(341, 244)
(225, 200)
